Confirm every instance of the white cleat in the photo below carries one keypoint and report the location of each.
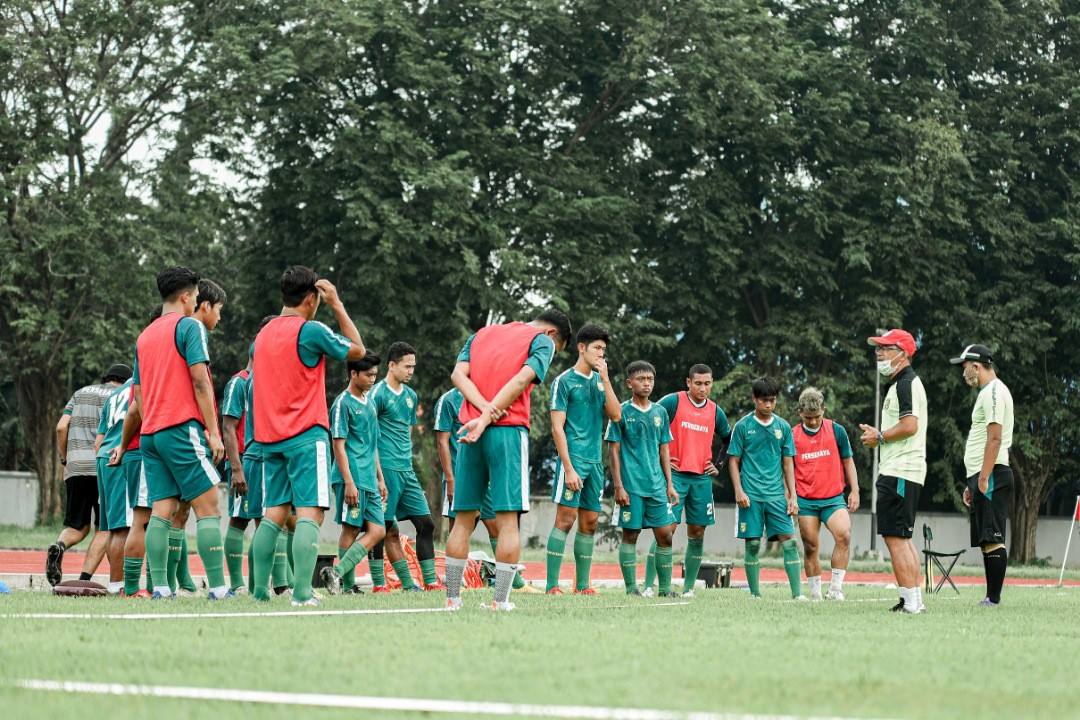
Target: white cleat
(181, 592)
(310, 602)
(801, 598)
(498, 606)
(647, 592)
(453, 604)
(688, 594)
(837, 595)
(816, 597)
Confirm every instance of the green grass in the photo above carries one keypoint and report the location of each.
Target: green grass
(723, 652)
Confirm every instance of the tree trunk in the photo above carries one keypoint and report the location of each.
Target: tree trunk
(41, 396)
(1029, 492)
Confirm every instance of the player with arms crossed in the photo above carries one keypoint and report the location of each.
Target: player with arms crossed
(763, 473)
(822, 463)
(495, 372)
(292, 423)
(580, 398)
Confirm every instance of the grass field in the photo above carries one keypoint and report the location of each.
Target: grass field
(718, 653)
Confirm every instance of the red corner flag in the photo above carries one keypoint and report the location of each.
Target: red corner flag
(1076, 514)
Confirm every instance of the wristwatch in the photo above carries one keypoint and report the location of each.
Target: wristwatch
(880, 439)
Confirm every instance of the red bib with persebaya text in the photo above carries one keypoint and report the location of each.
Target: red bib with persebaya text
(819, 471)
(692, 431)
(497, 353)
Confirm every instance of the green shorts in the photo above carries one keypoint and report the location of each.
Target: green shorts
(822, 509)
(772, 514)
(368, 508)
(137, 492)
(497, 466)
(695, 496)
(114, 512)
(404, 496)
(644, 511)
(299, 475)
(248, 506)
(592, 486)
(486, 511)
(177, 463)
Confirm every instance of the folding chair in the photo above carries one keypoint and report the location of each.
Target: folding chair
(937, 558)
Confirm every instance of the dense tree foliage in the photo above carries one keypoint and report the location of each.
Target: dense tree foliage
(755, 185)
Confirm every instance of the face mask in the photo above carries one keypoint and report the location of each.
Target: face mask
(885, 367)
(971, 375)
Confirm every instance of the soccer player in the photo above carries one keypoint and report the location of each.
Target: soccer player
(986, 460)
(495, 372)
(447, 426)
(75, 435)
(359, 488)
(697, 423)
(292, 423)
(210, 300)
(114, 513)
(580, 398)
(763, 475)
(902, 460)
(395, 404)
(822, 463)
(180, 440)
(641, 468)
(245, 503)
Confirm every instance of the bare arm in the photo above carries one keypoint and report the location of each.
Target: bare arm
(97, 443)
(329, 295)
(352, 495)
(621, 497)
(907, 427)
(562, 447)
(378, 473)
(852, 476)
(232, 452)
(665, 463)
(735, 472)
(204, 398)
(612, 406)
(788, 465)
(462, 381)
(62, 436)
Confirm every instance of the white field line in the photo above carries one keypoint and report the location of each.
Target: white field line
(356, 702)
(286, 613)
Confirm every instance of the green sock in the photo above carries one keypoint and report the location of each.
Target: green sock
(234, 556)
(401, 567)
(427, 569)
(663, 568)
(753, 567)
(183, 571)
(650, 566)
(264, 546)
(583, 550)
(132, 571)
(290, 563)
(305, 553)
(378, 571)
(149, 577)
(175, 536)
(211, 550)
(518, 581)
(280, 570)
(494, 542)
(628, 564)
(556, 547)
(694, 548)
(792, 566)
(251, 565)
(157, 548)
(347, 568)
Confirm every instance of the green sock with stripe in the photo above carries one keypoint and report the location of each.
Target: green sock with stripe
(234, 556)
(157, 548)
(251, 564)
(628, 565)
(175, 536)
(583, 550)
(792, 566)
(305, 553)
(401, 567)
(183, 570)
(347, 562)
(663, 568)
(264, 547)
(694, 550)
(427, 569)
(752, 566)
(650, 567)
(132, 571)
(280, 570)
(378, 571)
(290, 562)
(556, 548)
(211, 550)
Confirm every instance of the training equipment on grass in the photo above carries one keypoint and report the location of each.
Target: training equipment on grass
(79, 588)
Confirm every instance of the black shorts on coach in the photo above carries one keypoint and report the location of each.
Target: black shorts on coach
(82, 501)
(990, 512)
(897, 501)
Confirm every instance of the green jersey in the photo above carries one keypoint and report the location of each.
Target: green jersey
(640, 434)
(581, 397)
(354, 420)
(993, 406)
(447, 410)
(252, 448)
(904, 458)
(397, 415)
(111, 424)
(760, 449)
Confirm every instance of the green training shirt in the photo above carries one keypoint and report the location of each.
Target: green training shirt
(354, 421)
(760, 449)
(581, 397)
(994, 405)
(397, 415)
(640, 434)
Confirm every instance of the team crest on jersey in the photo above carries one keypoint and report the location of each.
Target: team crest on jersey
(568, 495)
(626, 516)
(778, 434)
(600, 385)
(656, 421)
(408, 401)
(354, 512)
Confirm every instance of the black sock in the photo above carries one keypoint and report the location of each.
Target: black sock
(85, 576)
(62, 545)
(995, 563)
(425, 536)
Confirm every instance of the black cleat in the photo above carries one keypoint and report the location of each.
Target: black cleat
(331, 580)
(898, 607)
(635, 593)
(54, 559)
(669, 594)
(354, 590)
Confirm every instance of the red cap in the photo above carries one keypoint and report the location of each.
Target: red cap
(900, 338)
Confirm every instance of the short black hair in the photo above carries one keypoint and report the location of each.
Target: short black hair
(266, 320)
(698, 369)
(398, 350)
(174, 280)
(211, 292)
(639, 366)
(765, 387)
(367, 362)
(591, 332)
(296, 284)
(558, 320)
